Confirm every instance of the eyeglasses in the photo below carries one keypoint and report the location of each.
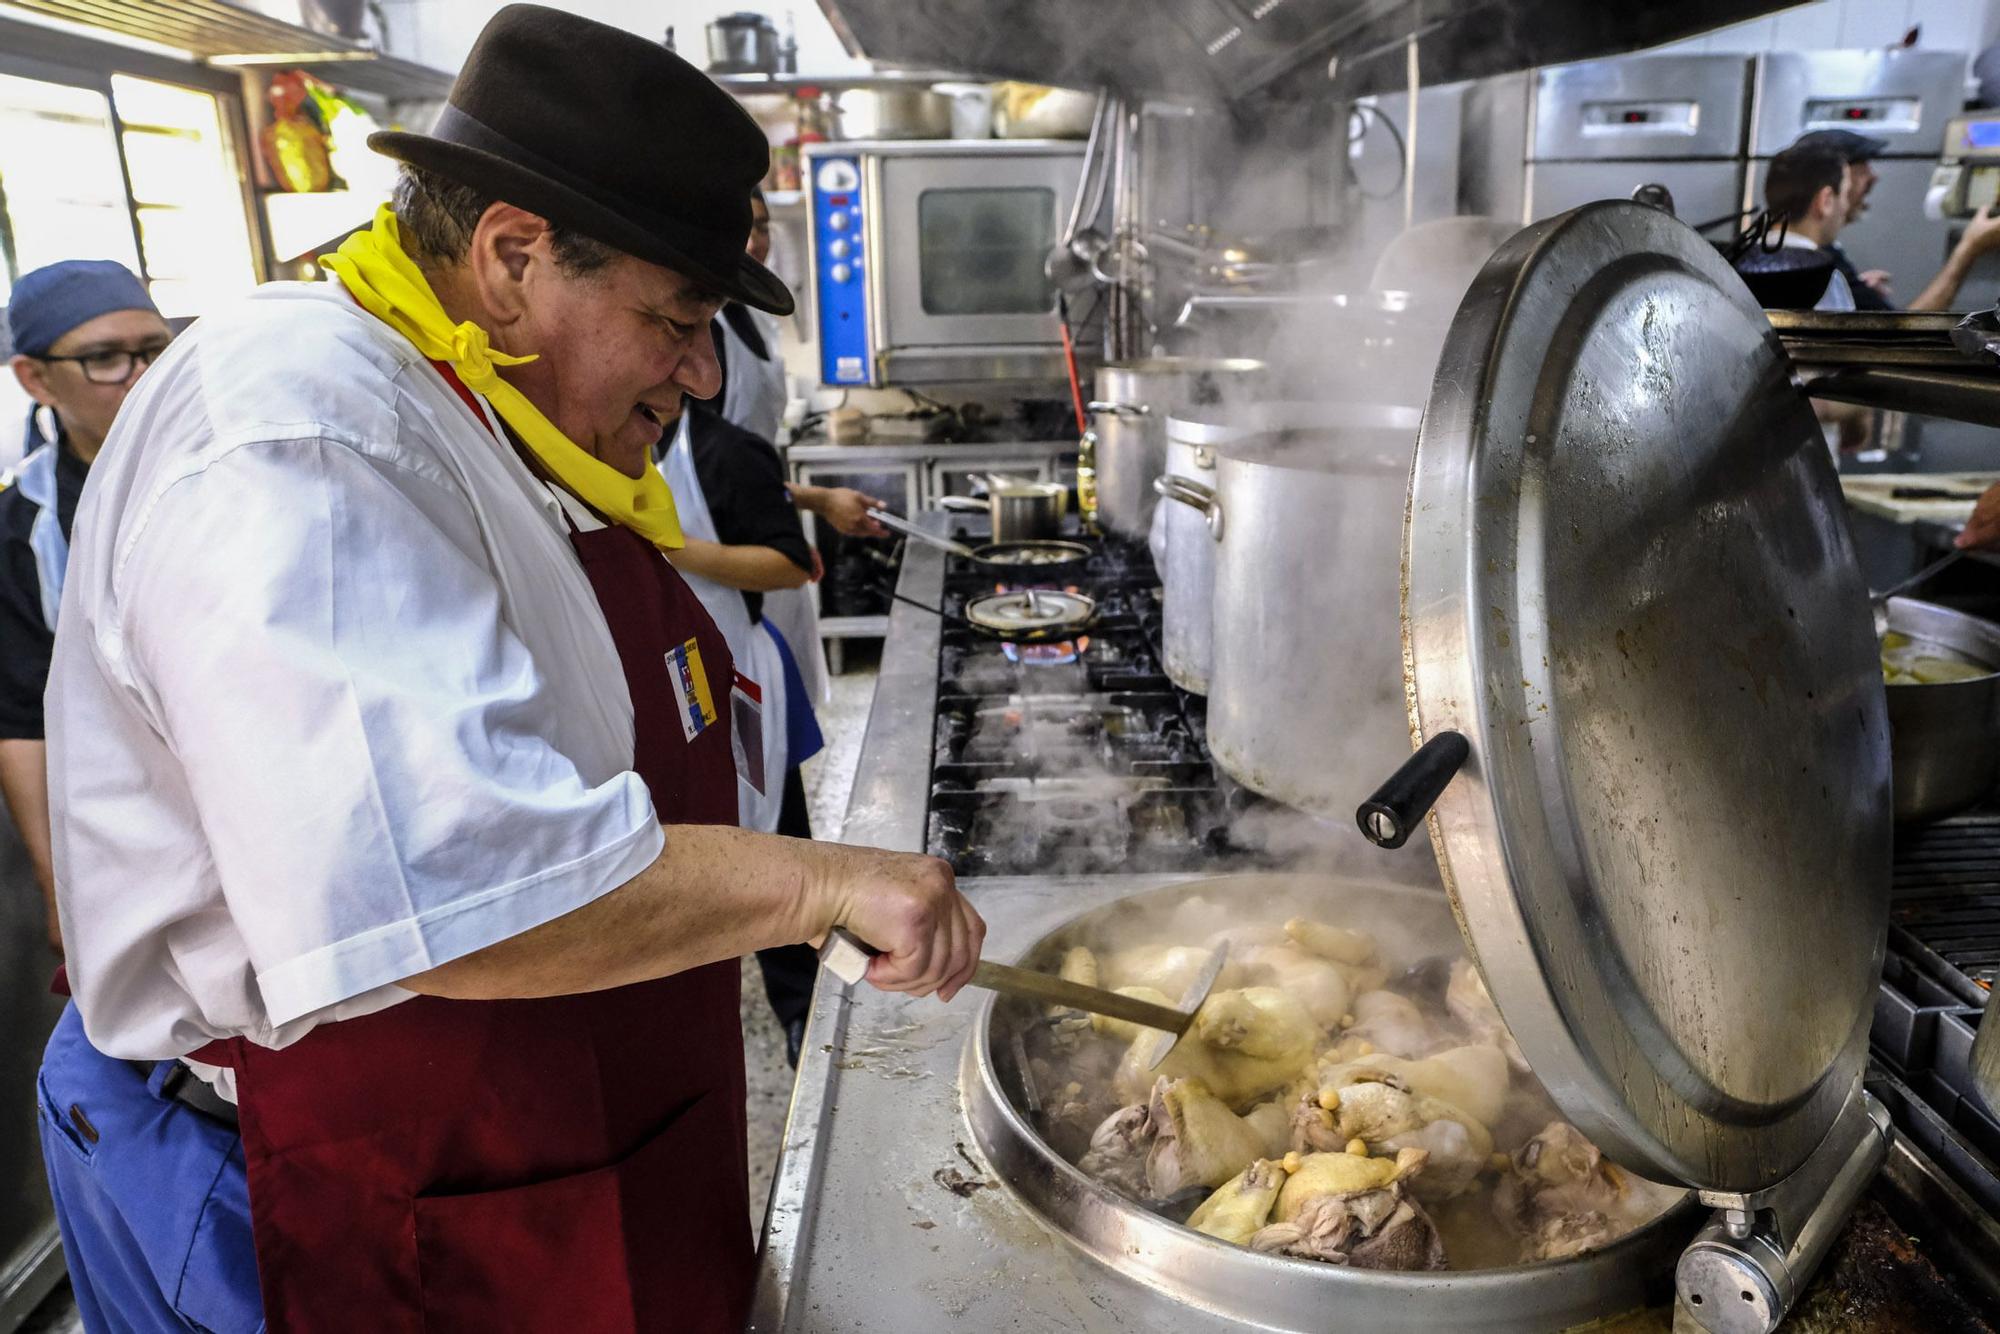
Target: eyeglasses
(114, 365)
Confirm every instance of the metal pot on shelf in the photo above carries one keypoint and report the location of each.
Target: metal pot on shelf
(915, 112)
(1944, 737)
(1128, 425)
(744, 43)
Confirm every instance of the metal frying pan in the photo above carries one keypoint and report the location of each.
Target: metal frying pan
(1002, 560)
(1021, 615)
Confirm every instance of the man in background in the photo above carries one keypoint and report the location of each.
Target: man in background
(82, 331)
(1807, 192)
(1873, 288)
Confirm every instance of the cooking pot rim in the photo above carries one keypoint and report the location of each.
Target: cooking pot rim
(1969, 634)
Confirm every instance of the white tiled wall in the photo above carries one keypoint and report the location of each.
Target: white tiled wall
(1947, 25)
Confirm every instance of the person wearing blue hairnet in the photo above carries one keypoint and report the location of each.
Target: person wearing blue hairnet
(82, 331)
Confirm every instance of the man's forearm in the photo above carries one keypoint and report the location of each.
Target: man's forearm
(808, 497)
(713, 893)
(751, 569)
(1943, 289)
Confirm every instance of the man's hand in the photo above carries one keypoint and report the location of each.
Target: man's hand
(1982, 530)
(818, 569)
(1879, 281)
(845, 508)
(850, 512)
(908, 907)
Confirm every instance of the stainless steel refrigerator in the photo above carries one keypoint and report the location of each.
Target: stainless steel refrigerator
(1541, 143)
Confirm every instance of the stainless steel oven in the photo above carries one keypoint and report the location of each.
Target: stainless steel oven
(928, 258)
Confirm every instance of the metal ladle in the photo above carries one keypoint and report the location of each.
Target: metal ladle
(1878, 603)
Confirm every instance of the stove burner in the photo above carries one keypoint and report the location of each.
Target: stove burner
(1076, 755)
(1058, 654)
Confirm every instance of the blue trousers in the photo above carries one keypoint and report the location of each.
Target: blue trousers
(150, 1196)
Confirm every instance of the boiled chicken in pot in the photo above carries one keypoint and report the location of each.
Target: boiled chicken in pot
(1330, 1104)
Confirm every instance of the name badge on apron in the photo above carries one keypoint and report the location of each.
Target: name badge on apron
(691, 692)
(746, 730)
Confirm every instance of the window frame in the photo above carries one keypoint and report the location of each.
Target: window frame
(29, 51)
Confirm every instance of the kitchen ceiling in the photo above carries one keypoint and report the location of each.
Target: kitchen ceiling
(1230, 50)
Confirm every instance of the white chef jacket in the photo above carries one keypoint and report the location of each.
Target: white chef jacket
(332, 701)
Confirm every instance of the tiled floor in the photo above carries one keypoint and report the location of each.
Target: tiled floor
(828, 778)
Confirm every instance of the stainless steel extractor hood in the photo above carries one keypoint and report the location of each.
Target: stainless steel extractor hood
(1229, 50)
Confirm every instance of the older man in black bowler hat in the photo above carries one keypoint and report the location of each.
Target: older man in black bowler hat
(396, 771)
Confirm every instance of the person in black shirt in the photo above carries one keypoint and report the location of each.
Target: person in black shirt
(82, 332)
(758, 547)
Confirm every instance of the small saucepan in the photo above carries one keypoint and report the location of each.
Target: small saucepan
(1013, 561)
(1021, 511)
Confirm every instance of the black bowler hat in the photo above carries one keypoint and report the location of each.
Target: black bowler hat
(607, 133)
(1845, 144)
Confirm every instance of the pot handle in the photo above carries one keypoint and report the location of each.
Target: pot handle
(963, 504)
(1400, 804)
(1194, 495)
(1118, 409)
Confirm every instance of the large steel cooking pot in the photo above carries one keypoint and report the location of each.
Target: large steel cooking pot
(1128, 422)
(1007, 1108)
(1944, 738)
(1305, 698)
(1186, 554)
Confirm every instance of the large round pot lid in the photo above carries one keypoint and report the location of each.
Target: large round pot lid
(1630, 587)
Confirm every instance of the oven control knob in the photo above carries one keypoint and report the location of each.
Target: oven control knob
(838, 249)
(840, 273)
(837, 221)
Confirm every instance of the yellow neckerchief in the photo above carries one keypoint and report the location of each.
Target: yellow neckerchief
(379, 275)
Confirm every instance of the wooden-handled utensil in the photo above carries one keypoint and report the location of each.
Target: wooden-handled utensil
(846, 957)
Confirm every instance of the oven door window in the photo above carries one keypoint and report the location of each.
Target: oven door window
(981, 251)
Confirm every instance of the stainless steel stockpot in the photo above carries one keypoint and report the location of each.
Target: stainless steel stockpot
(1128, 424)
(1944, 737)
(1305, 697)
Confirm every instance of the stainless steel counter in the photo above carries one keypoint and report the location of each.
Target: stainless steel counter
(927, 451)
(891, 794)
(883, 1215)
(911, 1230)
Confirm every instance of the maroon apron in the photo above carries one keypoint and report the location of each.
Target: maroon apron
(575, 1163)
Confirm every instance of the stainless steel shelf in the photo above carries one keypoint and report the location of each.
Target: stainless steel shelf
(752, 84)
(1967, 396)
(230, 36)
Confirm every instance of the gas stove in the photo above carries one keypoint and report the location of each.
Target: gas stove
(1077, 757)
(878, 1126)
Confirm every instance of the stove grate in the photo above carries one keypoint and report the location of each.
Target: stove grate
(1944, 912)
(1943, 959)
